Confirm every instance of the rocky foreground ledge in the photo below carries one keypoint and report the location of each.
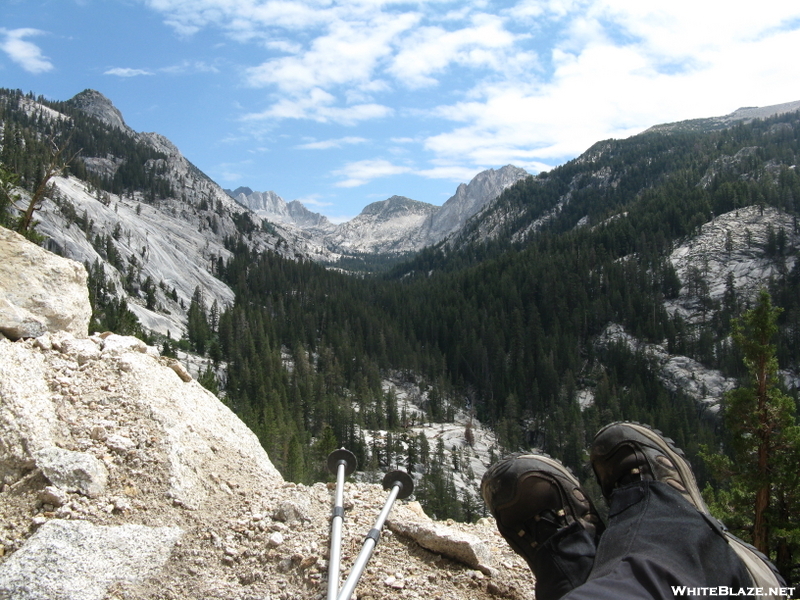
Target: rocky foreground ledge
(122, 478)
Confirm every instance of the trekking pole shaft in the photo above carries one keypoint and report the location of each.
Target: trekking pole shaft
(369, 546)
(336, 534)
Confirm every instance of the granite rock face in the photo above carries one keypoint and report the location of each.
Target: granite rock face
(95, 104)
(40, 291)
(76, 560)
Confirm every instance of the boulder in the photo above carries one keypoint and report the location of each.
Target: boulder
(28, 420)
(40, 291)
(72, 471)
(293, 509)
(467, 548)
(76, 560)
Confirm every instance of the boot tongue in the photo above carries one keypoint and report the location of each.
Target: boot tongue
(626, 465)
(548, 512)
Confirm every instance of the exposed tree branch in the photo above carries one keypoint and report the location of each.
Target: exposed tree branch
(55, 167)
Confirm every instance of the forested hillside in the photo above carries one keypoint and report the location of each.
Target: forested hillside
(29, 136)
(506, 327)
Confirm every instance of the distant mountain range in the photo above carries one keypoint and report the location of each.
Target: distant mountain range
(271, 206)
(395, 225)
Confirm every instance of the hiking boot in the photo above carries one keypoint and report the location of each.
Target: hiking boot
(533, 496)
(624, 453)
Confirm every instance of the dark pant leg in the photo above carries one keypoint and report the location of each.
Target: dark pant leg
(656, 540)
(563, 562)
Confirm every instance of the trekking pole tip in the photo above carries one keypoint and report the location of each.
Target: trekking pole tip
(340, 456)
(401, 479)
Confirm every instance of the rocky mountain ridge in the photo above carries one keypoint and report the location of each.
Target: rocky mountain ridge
(602, 170)
(95, 104)
(382, 227)
(121, 477)
(274, 208)
(740, 115)
(167, 245)
(394, 225)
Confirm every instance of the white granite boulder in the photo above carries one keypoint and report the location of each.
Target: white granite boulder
(40, 291)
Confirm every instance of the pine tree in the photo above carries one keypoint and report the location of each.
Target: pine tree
(8, 195)
(208, 379)
(763, 489)
(197, 327)
(295, 469)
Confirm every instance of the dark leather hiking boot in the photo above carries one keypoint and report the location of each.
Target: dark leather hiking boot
(532, 496)
(623, 453)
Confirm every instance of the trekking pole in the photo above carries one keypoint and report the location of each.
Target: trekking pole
(401, 486)
(342, 462)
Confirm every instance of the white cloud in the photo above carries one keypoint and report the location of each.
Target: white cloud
(619, 68)
(363, 171)
(26, 54)
(333, 143)
(318, 105)
(182, 68)
(228, 175)
(532, 84)
(454, 172)
(127, 72)
(243, 19)
(286, 46)
(348, 53)
(484, 44)
(188, 66)
(334, 79)
(313, 200)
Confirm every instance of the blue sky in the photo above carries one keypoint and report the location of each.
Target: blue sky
(339, 104)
